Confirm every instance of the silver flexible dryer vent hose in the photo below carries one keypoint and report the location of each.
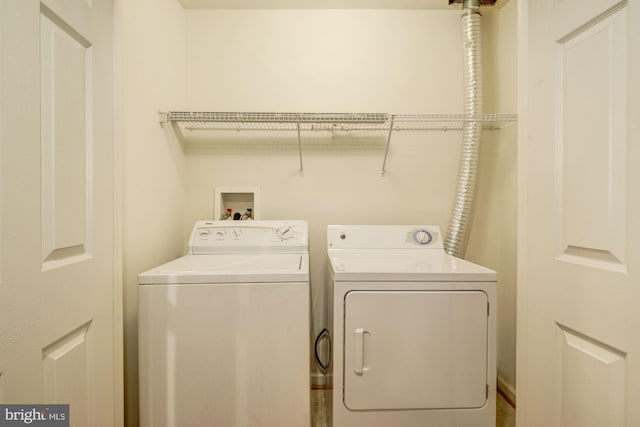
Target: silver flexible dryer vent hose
(455, 242)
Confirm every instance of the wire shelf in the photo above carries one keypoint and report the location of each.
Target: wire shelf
(344, 122)
(333, 122)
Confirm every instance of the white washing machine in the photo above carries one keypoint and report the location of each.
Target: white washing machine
(224, 330)
(414, 330)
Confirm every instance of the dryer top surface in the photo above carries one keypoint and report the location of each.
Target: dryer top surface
(404, 265)
(397, 253)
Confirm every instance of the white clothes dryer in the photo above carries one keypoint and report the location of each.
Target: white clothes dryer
(414, 330)
(224, 330)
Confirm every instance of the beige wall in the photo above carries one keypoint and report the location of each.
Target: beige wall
(324, 60)
(493, 237)
(151, 55)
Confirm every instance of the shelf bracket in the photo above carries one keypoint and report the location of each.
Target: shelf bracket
(163, 116)
(386, 152)
(301, 171)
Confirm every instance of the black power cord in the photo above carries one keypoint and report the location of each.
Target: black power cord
(324, 333)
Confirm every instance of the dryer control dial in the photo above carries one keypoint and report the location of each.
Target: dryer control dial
(422, 237)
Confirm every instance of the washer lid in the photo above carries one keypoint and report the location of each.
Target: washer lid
(377, 265)
(230, 268)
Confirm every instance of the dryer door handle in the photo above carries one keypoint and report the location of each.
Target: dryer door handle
(360, 336)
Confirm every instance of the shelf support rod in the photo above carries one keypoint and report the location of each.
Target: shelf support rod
(301, 171)
(386, 152)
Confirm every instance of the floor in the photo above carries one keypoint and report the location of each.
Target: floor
(321, 410)
(505, 413)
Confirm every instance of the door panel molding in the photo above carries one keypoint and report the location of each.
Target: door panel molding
(66, 112)
(67, 373)
(592, 142)
(591, 380)
(593, 22)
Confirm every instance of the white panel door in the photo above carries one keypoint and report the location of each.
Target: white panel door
(579, 322)
(58, 330)
(415, 349)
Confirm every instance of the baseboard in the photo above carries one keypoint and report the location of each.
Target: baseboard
(507, 391)
(321, 381)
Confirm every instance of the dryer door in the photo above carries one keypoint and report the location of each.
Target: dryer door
(415, 350)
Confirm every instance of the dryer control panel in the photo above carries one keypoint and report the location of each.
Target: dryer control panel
(384, 237)
(214, 237)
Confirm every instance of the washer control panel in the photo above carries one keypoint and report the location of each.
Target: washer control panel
(215, 237)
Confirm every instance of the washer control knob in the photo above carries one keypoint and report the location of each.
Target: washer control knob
(285, 232)
(204, 233)
(237, 233)
(422, 237)
(220, 234)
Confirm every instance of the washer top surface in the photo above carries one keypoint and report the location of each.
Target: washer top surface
(238, 252)
(230, 268)
(398, 254)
